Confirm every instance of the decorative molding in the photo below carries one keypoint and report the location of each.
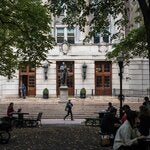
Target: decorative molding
(65, 47)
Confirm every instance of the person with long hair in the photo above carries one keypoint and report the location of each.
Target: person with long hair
(10, 110)
(128, 136)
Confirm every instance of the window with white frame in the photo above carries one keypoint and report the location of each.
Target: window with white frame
(60, 35)
(70, 36)
(63, 33)
(103, 38)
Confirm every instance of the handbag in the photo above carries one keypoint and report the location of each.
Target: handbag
(66, 108)
(105, 140)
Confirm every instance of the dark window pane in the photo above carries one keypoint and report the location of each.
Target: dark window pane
(60, 35)
(70, 36)
(60, 39)
(106, 38)
(107, 81)
(107, 68)
(96, 39)
(71, 40)
(99, 81)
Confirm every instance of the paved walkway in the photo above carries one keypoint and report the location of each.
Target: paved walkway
(62, 121)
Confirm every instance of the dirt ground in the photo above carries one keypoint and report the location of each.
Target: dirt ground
(55, 137)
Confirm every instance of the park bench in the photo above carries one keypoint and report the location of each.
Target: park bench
(34, 122)
(92, 121)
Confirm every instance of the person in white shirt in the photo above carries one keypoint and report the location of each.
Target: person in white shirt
(128, 136)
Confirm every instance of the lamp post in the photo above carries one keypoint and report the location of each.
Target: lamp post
(84, 67)
(121, 96)
(45, 70)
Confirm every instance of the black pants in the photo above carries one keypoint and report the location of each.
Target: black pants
(69, 112)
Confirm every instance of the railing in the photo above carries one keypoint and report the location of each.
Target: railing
(132, 92)
(115, 92)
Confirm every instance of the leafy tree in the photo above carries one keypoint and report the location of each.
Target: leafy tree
(78, 10)
(134, 44)
(24, 34)
(100, 10)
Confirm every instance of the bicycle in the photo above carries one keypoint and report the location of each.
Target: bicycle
(5, 128)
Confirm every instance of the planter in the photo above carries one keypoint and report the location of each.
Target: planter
(45, 93)
(83, 93)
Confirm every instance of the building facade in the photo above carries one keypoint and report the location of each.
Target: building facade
(87, 68)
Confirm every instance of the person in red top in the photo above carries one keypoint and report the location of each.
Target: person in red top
(125, 109)
(10, 110)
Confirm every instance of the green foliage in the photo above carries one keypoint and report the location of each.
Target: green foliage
(45, 91)
(83, 93)
(83, 90)
(102, 11)
(24, 34)
(134, 44)
(78, 10)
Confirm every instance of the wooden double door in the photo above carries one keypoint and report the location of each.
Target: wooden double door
(103, 78)
(27, 75)
(70, 77)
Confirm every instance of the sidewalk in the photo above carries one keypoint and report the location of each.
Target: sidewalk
(62, 121)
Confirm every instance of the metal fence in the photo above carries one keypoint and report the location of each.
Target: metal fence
(132, 92)
(115, 92)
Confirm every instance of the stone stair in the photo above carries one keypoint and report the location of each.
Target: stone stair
(54, 108)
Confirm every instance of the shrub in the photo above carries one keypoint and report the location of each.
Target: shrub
(45, 93)
(83, 93)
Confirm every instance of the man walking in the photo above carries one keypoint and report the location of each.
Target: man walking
(68, 108)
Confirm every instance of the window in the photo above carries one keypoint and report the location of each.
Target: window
(65, 34)
(96, 39)
(70, 35)
(106, 81)
(99, 81)
(106, 38)
(106, 67)
(60, 35)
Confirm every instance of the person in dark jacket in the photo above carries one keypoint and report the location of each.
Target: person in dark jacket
(68, 108)
(146, 102)
(144, 125)
(110, 122)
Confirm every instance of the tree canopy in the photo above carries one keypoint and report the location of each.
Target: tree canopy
(134, 44)
(24, 34)
(101, 10)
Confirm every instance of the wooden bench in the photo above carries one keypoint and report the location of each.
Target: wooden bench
(92, 121)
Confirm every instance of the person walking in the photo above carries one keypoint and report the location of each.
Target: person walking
(68, 108)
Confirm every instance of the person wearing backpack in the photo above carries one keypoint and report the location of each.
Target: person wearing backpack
(68, 108)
